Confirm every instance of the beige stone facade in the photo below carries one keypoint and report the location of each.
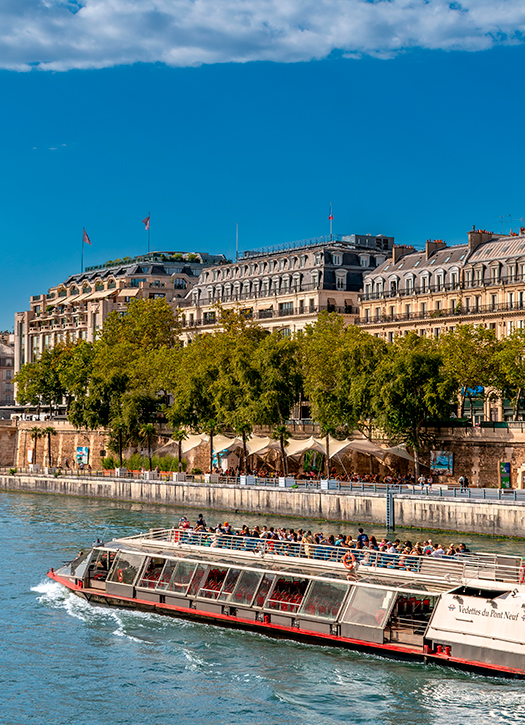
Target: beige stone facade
(77, 308)
(286, 288)
(6, 369)
(432, 291)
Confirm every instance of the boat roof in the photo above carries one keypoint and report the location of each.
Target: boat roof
(429, 574)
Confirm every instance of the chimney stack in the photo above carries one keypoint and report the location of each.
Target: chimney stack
(433, 245)
(477, 237)
(401, 250)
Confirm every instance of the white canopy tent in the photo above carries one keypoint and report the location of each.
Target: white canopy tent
(296, 448)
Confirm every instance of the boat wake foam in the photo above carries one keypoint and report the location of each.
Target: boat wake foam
(53, 594)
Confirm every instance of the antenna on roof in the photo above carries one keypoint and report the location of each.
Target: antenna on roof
(505, 219)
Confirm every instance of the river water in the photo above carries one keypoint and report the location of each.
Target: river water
(65, 661)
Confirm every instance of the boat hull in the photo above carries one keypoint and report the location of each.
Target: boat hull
(280, 631)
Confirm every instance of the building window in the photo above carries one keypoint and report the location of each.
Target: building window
(340, 280)
(493, 302)
(337, 259)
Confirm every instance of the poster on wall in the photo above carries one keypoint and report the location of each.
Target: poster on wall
(30, 455)
(82, 454)
(442, 463)
(504, 474)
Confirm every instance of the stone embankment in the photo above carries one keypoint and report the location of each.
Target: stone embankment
(497, 518)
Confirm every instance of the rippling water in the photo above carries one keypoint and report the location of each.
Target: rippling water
(65, 661)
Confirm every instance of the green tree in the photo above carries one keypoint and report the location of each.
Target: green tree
(237, 387)
(282, 434)
(147, 432)
(470, 362)
(47, 433)
(339, 368)
(191, 389)
(510, 369)
(179, 435)
(412, 387)
(38, 383)
(35, 434)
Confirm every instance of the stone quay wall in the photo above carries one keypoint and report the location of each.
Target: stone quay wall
(481, 517)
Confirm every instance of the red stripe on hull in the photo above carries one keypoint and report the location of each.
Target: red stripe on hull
(387, 649)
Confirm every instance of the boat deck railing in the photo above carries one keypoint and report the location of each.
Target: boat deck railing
(491, 567)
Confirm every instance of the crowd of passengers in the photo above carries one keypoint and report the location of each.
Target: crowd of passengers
(392, 479)
(361, 547)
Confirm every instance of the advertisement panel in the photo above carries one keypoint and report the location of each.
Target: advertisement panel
(442, 462)
(82, 454)
(504, 474)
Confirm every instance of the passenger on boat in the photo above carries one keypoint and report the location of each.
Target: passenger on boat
(438, 552)
(362, 538)
(200, 521)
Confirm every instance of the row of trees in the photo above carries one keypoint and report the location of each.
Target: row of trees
(241, 377)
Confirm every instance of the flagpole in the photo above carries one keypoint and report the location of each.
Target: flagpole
(149, 228)
(331, 220)
(82, 255)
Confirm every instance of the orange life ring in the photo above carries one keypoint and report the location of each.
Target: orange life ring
(522, 574)
(349, 560)
(120, 575)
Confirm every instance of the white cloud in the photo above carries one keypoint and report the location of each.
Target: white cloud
(64, 34)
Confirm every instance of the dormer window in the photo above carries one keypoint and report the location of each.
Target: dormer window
(340, 279)
(337, 259)
(364, 260)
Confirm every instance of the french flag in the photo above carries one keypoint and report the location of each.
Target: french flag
(85, 238)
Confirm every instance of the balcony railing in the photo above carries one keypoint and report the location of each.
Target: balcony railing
(445, 287)
(288, 312)
(457, 311)
(263, 293)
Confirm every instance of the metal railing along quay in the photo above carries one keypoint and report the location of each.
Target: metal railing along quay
(434, 492)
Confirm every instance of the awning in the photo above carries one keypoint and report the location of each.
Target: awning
(400, 452)
(368, 448)
(128, 292)
(83, 297)
(261, 444)
(222, 443)
(188, 444)
(100, 294)
(335, 446)
(296, 448)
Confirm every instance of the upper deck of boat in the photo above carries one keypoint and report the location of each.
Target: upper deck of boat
(322, 560)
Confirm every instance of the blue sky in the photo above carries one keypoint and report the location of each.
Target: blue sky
(415, 130)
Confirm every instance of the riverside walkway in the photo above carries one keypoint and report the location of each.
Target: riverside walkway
(333, 486)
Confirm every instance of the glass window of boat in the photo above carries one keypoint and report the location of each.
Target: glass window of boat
(264, 588)
(369, 606)
(245, 590)
(287, 594)
(167, 572)
(213, 583)
(324, 599)
(197, 578)
(125, 568)
(152, 572)
(77, 567)
(101, 563)
(229, 585)
(176, 576)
